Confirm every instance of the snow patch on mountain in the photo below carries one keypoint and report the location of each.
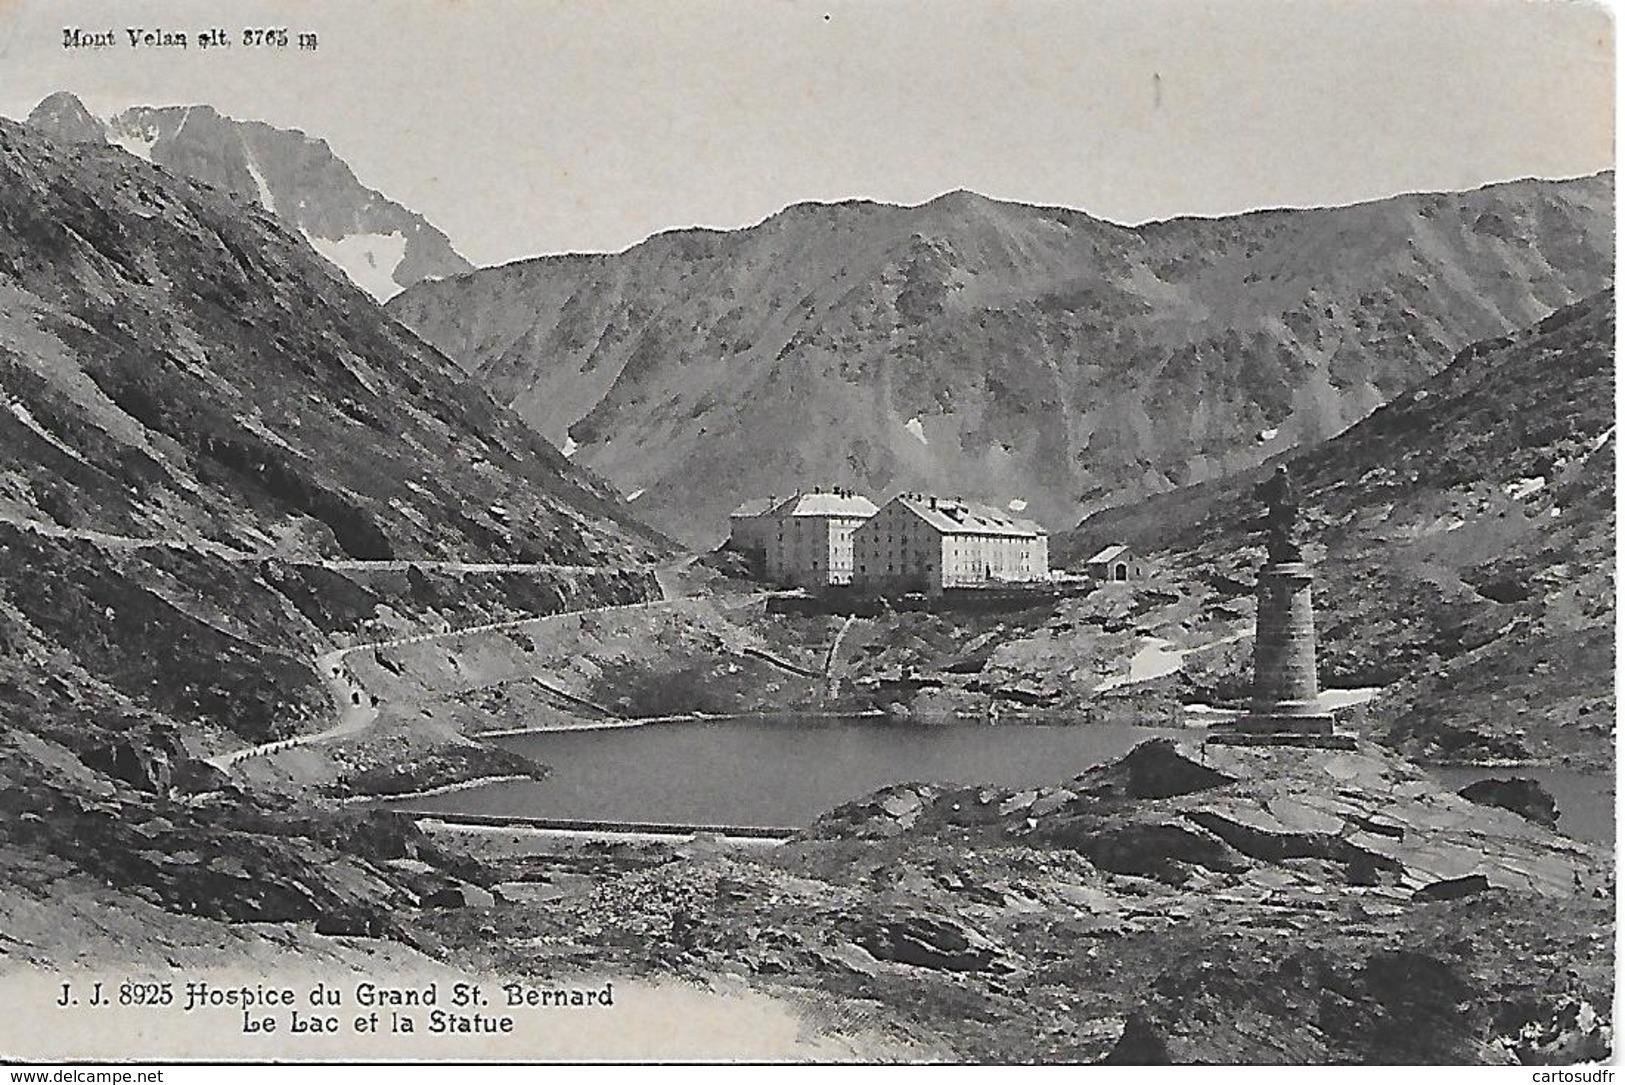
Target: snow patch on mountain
(137, 144)
(1518, 489)
(131, 137)
(369, 260)
(267, 201)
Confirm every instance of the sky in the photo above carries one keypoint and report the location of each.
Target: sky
(542, 126)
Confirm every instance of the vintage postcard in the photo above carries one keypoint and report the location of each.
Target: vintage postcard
(969, 531)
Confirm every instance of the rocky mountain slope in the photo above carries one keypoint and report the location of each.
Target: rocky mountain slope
(218, 459)
(1000, 350)
(1464, 537)
(379, 244)
(176, 365)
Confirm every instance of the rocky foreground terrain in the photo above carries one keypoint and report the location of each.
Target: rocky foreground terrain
(997, 350)
(379, 244)
(1186, 903)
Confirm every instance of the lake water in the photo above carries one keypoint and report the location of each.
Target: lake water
(784, 772)
(773, 773)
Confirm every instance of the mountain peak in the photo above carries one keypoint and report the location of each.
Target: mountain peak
(378, 244)
(960, 197)
(64, 118)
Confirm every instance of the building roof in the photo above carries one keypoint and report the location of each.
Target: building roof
(825, 504)
(758, 506)
(1111, 553)
(952, 516)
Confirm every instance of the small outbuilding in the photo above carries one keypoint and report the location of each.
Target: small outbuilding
(1115, 564)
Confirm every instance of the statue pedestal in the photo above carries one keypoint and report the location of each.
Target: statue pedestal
(1286, 687)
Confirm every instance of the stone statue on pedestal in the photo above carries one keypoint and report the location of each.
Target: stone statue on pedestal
(1280, 522)
(1286, 686)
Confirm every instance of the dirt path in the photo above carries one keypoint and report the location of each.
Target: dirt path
(355, 707)
(832, 676)
(778, 661)
(358, 707)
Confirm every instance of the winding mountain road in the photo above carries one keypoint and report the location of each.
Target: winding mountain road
(355, 705)
(356, 708)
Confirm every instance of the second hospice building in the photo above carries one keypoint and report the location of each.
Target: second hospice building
(917, 542)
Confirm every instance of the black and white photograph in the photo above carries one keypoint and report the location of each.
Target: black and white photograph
(992, 532)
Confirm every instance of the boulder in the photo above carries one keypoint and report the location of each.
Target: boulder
(1159, 770)
(1139, 1045)
(141, 766)
(1254, 831)
(929, 941)
(461, 895)
(195, 776)
(1453, 888)
(1570, 1032)
(1150, 848)
(1022, 800)
(903, 805)
(350, 924)
(1522, 796)
(886, 813)
(847, 957)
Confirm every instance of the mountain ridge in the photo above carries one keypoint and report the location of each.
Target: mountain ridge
(997, 349)
(381, 245)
